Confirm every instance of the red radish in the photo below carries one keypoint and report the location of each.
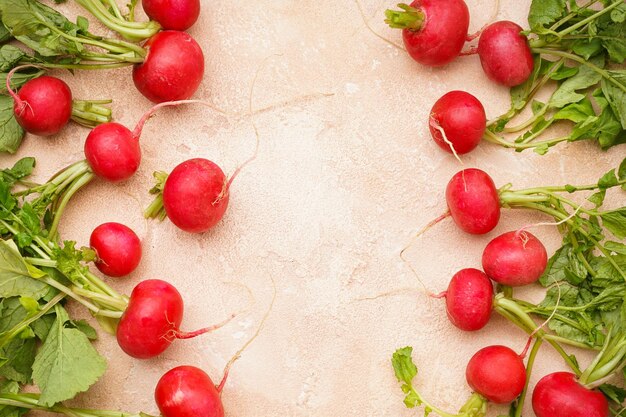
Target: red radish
(118, 249)
(173, 14)
(560, 395)
(469, 299)
(505, 54)
(473, 201)
(434, 31)
(515, 258)
(43, 106)
(457, 120)
(151, 321)
(187, 391)
(497, 373)
(172, 69)
(113, 152)
(112, 149)
(195, 195)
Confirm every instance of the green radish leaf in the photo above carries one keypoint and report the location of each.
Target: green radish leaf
(613, 393)
(610, 31)
(564, 72)
(544, 13)
(608, 180)
(22, 169)
(66, 364)
(20, 354)
(10, 56)
(564, 265)
(607, 129)
(615, 221)
(42, 326)
(15, 278)
(38, 26)
(576, 112)
(86, 328)
(597, 198)
(5, 35)
(12, 313)
(616, 247)
(615, 95)
(587, 47)
(567, 92)
(11, 133)
(10, 387)
(403, 365)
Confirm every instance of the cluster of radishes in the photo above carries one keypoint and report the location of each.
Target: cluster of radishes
(434, 34)
(195, 197)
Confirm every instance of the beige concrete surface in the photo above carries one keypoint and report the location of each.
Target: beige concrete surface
(340, 184)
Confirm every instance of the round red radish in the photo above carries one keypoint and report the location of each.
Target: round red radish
(497, 373)
(195, 195)
(43, 106)
(473, 201)
(172, 69)
(462, 118)
(151, 320)
(505, 54)
(113, 152)
(469, 299)
(560, 395)
(173, 14)
(187, 391)
(515, 258)
(442, 35)
(118, 249)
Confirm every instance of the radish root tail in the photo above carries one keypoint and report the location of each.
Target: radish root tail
(237, 355)
(560, 222)
(435, 125)
(371, 29)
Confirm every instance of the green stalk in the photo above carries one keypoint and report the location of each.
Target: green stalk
(589, 19)
(529, 367)
(90, 113)
(77, 185)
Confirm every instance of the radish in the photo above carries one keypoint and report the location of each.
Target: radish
(473, 201)
(505, 54)
(151, 321)
(112, 150)
(433, 31)
(469, 299)
(560, 395)
(497, 373)
(43, 106)
(457, 122)
(187, 391)
(515, 258)
(172, 69)
(117, 247)
(195, 195)
(173, 14)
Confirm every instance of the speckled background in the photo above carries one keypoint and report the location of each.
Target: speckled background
(345, 174)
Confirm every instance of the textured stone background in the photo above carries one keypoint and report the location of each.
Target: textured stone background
(340, 184)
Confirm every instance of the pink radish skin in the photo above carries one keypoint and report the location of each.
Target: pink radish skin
(469, 299)
(442, 35)
(505, 54)
(195, 195)
(43, 106)
(462, 118)
(497, 373)
(473, 201)
(172, 69)
(173, 14)
(151, 320)
(560, 395)
(113, 152)
(187, 391)
(118, 249)
(515, 258)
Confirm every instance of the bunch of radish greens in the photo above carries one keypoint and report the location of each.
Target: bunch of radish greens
(584, 304)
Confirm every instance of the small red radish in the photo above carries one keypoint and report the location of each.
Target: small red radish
(469, 299)
(118, 249)
(151, 321)
(43, 105)
(112, 150)
(473, 201)
(172, 69)
(515, 258)
(173, 14)
(560, 395)
(497, 373)
(433, 31)
(187, 391)
(505, 54)
(195, 195)
(461, 118)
